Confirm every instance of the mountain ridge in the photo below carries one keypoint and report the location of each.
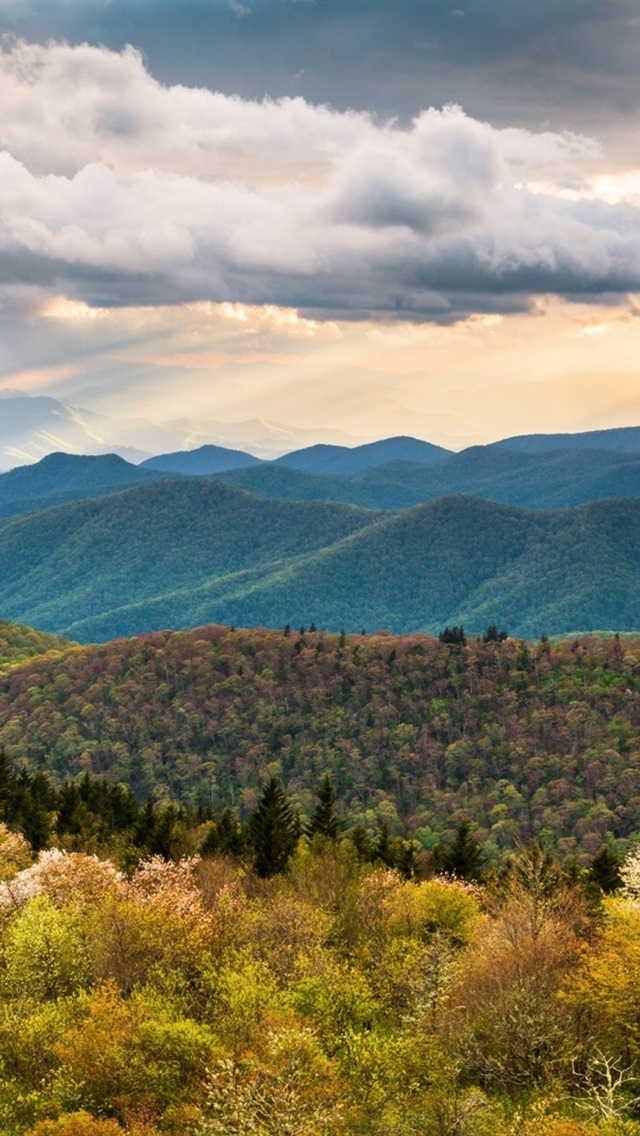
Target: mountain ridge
(185, 551)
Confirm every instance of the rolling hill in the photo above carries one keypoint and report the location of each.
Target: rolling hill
(553, 479)
(522, 739)
(345, 460)
(61, 477)
(202, 461)
(626, 439)
(187, 551)
(69, 563)
(19, 642)
(549, 479)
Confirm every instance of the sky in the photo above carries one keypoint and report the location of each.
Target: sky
(353, 217)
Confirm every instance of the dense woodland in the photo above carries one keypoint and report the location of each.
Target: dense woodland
(332, 997)
(518, 739)
(259, 883)
(179, 551)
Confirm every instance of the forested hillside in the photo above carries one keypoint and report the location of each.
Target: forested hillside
(392, 902)
(187, 551)
(546, 480)
(201, 461)
(66, 564)
(61, 477)
(18, 642)
(519, 739)
(456, 560)
(346, 460)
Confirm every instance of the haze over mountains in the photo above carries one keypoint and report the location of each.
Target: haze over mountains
(33, 426)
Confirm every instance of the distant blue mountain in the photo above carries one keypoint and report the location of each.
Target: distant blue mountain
(343, 461)
(625, 439)
(205, 460)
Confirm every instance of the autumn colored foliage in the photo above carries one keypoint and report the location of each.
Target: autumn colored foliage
(514, 738)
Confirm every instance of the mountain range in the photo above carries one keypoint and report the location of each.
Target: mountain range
(32, 426)
(553, 478)
(186, 551)
(545, 539)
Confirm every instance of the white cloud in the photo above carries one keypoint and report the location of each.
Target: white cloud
(123, 191)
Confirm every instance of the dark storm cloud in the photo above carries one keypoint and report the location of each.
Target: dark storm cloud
(561, 63)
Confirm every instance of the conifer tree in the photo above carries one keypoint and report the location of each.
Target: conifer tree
(362, 843)
(7, 786)
(226, 835)
(324, 821)
(36, 824)
(274, 829)
(605, 870)
(146, 826)
(463, 858)
(383, 848)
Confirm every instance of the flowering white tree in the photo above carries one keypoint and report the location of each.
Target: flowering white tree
(630, 872)
(60, 876)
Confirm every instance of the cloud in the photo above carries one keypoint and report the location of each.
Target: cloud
(556, 64)
(117, 190)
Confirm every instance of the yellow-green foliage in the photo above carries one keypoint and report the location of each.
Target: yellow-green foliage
(194, 999)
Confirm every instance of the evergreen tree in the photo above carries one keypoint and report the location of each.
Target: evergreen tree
(70, 810)
(7, 787)
(145, 828)
(226, 836)
(362, 843)
(324, 821)
(605, 870)
(160, 841)
(36, 824)
(383, 849)
(492, 635)
(463, 858)
(274, 829)
(453, 635)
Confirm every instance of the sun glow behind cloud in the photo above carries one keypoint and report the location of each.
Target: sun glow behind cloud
(182, 250)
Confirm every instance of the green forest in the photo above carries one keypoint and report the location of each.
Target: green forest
(183, 551)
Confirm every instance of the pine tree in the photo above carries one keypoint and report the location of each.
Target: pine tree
(226, 835)
(383, 848)
(36, 824)
(453, 635)
(324, 821)
(274, 830)
(362, 843)
(8, 782)
(145, 828)
(463, 858)
(605, 870)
